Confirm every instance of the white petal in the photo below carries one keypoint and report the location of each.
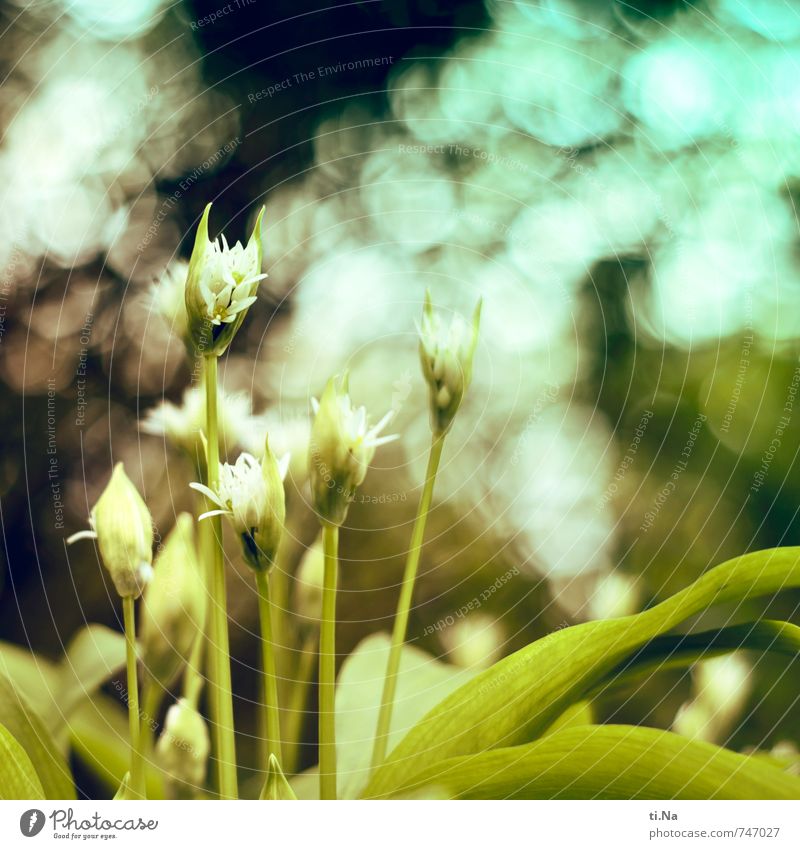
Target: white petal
(239, 306)
(382, 423)
(213, 513)
(209, 493)
(81, 535)
(382, 440)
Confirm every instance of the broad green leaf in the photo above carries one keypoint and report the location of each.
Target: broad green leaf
(677, 651)
(578, 714)
(94, 655)
(18, 779)
(608, 762)
(54, 690)
(422, 682)
(520, 696)
(29, 731)
(33, 675)
(99, 738)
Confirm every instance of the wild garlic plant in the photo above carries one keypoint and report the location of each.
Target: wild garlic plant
(250, 495)
(446, 353)
(341, 448)
(123, 528)
(221, 284)
(522, 726)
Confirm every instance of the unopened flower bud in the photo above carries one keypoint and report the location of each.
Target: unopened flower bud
(173, 607)
(446, 354)
(123, 528)
(251, 495)
(183, 747)
(221, 285)
(341, 448)
(268, 532)
(125, 791)
(276, 787)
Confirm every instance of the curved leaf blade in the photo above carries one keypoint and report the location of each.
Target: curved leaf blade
(99, 739)
(609, 762)
(93, 655)
(677, 651)
(30, 732)
(18, 779)
(520, 696)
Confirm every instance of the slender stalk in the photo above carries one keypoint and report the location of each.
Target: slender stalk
(279, 585)
(281, 641)
(404, 604)
(327, 665)
(296, 711)
(193, 679)
(220, 666)
(137, 763)
(271, 707)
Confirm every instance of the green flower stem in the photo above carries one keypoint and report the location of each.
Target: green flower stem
(271, 706)
(193, 679)
(283, 629)
(220, 665)
(296, 712)
(137, 763)
(327, 665)
(404, 604)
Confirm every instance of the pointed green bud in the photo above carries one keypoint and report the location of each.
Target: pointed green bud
(173, 607)
(276, 788)
(341, 448)
(183, 747)
(268, 533)
(446, 353)
(221, 286)
(123, 528)
(124, 792)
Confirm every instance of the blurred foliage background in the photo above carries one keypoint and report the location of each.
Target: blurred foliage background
(617, 180)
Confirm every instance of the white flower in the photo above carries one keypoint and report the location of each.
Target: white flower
(182, 425)
(289, 433)
(341, 448)
(169, 299)
(243, 492)
(221, 285)
(229, 278)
